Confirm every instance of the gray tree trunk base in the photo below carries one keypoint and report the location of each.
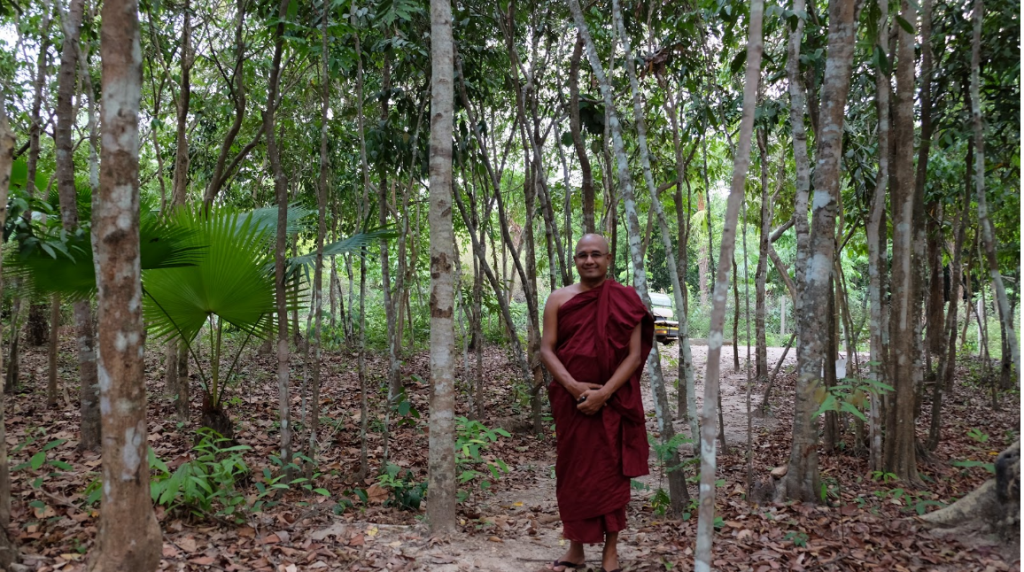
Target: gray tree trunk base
(992, 509)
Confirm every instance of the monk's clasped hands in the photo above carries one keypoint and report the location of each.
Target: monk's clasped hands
(592, 400)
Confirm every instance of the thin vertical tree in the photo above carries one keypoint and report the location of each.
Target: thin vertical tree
(281, 193)
(129, 536)
(899, 454)
(678, 495)
(987, 232)
(708, 426)
(441, 502)
(876, 238)
(8, 550)
(802, 481)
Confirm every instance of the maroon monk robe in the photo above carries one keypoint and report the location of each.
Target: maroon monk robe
(598, 454)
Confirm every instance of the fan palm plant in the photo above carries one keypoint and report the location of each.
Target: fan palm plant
(200, 267)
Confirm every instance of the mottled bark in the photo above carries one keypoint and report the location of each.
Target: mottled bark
(281, 194)
(129, 536)
(678, 494)
(899, 455)
(179, 192)
(442, 484)
(65, 175)
(802, 481)
(876, 239)
(8, 550)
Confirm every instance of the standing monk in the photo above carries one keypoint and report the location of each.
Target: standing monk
(597, 335)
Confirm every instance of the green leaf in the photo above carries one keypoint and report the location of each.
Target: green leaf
(37, 460)
(849, 408)
(60, 465)
(904, 24)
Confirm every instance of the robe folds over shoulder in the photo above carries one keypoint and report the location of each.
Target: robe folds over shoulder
(598, 454)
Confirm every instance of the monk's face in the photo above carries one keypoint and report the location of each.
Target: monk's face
(592, 257)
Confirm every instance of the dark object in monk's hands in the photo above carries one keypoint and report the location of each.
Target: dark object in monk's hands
(581, 399)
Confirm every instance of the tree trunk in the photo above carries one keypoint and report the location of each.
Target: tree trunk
(281, 193)
(180, 188)
(129, 536)
(685, 375)
(51, 354)
(899, 456)
(761, 274)
(947, 357)
(802, 481)
(987, 231)
(442, 484)
(678, 495)
(318, 272)
(587, 185)
(706, 518)
(89, 390)
(8, 550)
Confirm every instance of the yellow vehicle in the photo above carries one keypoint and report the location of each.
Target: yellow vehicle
(666, 330)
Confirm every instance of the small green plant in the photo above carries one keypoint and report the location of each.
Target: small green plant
(850, 396)
(797, 538)
(978, 435)
(471, 440)
(663, 451)
(660, 502)
(39, 460)
(883, 476)
(272, 484)
(205, 486)
(404, 491)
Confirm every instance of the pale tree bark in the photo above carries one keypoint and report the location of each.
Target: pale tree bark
(687, 391)
(8, 550)
(678, 495)
(65, 174)
(875, 239)
(281, 192)
(987, 232)
(318, 271)
(441, 484)
(899, 454)
(129, 536)
(797, 109)
(802, 481)
(708, 469)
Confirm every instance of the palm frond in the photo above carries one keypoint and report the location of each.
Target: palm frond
(348, 245)
(266, 218)
(229, 278)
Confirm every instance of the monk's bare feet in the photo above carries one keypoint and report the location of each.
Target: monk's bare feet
(610, 554)
(574, 556)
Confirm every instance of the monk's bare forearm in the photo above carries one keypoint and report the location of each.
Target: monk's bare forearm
(622, 374)
(557, 368)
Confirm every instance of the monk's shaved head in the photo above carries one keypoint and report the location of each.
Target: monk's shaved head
(592, 240)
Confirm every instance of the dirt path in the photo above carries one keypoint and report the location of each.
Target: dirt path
(524, 531)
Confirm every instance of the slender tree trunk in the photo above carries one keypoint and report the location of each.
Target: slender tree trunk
(876, 243)
(281, 193)
(678, 495)
(587, 185)
(129, 536)
(51, 353)
(89, 392)
(735, 318)
(706, 516)
(441, 502)
(8, 550)
(180, 190)
(802, 481)
(797, 109)
(685, 375)
(947, 358)
(987, 232)
(899, 455)
(318, 273)
(761, 274)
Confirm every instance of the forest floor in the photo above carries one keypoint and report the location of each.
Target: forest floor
(865, 523)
